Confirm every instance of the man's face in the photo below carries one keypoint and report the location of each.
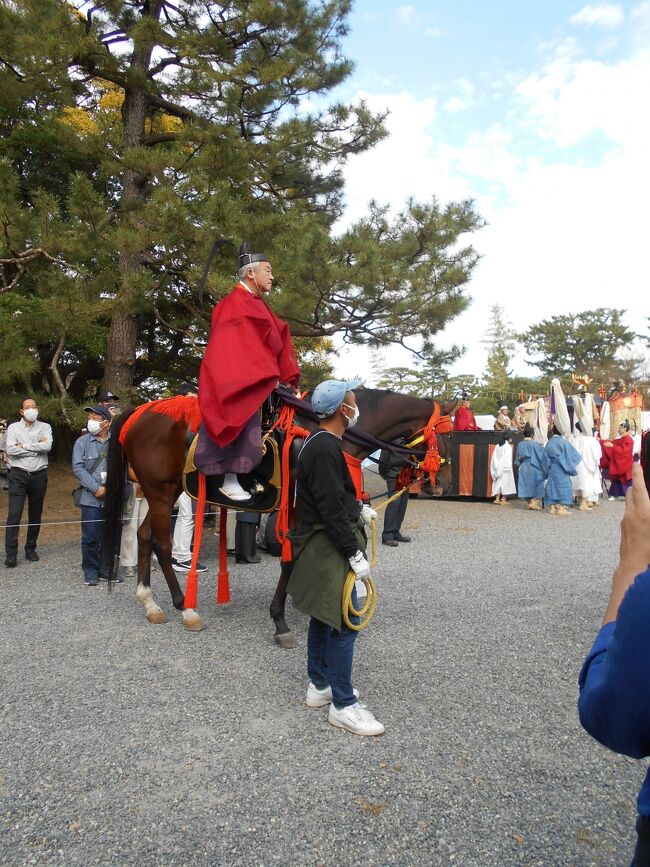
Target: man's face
(262, 278)
(111, 405)
(95, 416)
(466, 404)
(349, 405)
(28, 404)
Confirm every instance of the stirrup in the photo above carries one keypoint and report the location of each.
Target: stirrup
(233, 490)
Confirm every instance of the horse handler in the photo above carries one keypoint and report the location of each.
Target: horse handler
(328, 541)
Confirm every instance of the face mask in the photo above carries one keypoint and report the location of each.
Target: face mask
(30, 414)
(355, 418)
(94, 426)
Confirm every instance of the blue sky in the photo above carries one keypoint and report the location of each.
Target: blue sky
(538, 110)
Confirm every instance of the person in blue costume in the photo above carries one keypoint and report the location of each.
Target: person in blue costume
(614, 703)
(559, 462)
(530, 481)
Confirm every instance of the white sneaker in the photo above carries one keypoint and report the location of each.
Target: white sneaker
(320, 697)
(355, 719)
(233, 490)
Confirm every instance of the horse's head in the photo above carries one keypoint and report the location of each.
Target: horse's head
(388, 416)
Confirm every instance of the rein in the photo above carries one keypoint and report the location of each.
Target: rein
(358, 437)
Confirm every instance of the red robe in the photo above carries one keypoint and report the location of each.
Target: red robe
(248, 353)
(465, 419)
(621, 458)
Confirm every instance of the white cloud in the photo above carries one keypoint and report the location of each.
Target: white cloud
(462, 102)
(567, 230)
(606, 15)
(433, 32)
(403, 164)
(405, 14)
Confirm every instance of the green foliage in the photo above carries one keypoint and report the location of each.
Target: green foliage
(583, 343)
(135, 133)
(429, 377)
(501, 346)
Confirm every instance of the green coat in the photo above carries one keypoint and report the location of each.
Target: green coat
(319, 572)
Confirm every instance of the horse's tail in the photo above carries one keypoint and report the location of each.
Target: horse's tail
(116, 471)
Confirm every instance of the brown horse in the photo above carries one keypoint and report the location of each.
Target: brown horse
(154, 445)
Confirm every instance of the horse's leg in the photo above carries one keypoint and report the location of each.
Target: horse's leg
(283, 635)
(160, 510)
(153, 612)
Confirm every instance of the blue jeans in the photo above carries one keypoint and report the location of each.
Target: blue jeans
(91, 542)
(329, 658)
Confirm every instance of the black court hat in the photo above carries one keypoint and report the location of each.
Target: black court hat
(248, 258)
(188, 388)
(100, 410)
(107, 395)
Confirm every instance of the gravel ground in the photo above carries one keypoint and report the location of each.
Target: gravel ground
(127, 743)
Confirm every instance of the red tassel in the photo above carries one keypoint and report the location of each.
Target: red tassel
(223, 579)
(192, 584)
(287, 551)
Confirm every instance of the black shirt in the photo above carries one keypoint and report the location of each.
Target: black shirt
(325, 492)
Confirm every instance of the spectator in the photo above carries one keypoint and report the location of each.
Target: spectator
(89, 466)
(246, 537)
(614, 704)
(110, 401)
(134, 512)
(28, 442)
(390, 466)
(4, 463)
(184, 527)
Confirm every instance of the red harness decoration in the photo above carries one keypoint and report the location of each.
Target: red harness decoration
(356, 473)
(292, 431)
(436, 424)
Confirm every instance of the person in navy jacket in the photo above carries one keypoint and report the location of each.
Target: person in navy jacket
(614, 703)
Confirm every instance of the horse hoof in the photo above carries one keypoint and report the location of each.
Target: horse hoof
(286, 640)
(157, 617)
(193, 624)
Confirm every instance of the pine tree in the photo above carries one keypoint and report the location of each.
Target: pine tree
(134, 133)
(500, 345)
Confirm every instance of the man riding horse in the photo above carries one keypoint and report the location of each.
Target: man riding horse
(249, 352)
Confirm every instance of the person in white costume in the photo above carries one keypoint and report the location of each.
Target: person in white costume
(588, 482)
(503, 478)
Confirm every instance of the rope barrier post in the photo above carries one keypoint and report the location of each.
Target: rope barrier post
(192, 583)
(223, 579)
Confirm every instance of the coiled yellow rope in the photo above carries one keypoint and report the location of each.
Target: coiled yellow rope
(366, 612)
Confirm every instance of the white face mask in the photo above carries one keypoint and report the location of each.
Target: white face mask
(94, 426)
(355, 418)
(30, 414)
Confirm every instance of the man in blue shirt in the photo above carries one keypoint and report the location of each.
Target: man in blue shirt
(614, 702)
(89, 466)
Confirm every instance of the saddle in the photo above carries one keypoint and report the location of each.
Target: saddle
(264, 483)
